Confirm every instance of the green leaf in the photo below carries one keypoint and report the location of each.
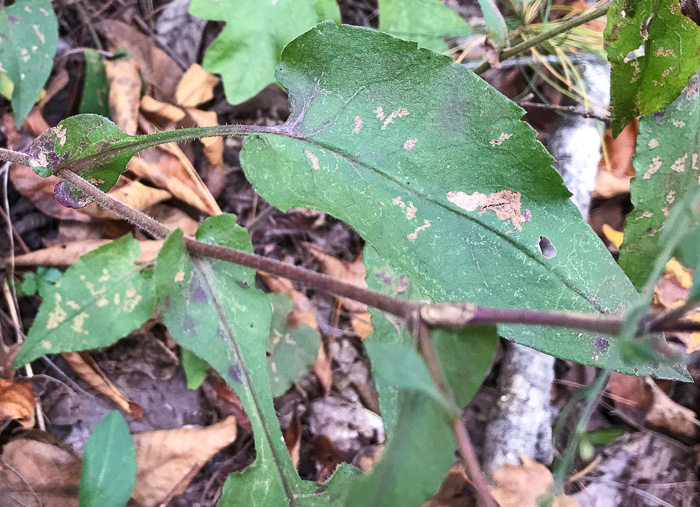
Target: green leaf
(101, 298)
(40, 281)
(213, 309)
(667, 165)
(195, 368)
(427, 22)
(497, 29)
(95, 98)
(435, 170)
(402, 368)
(415, 423)
(109, 464)
(28, 38)
(417, 457)
(327, 9)
(290, 351)
(248, 49)
(89, 145)
(644, 82)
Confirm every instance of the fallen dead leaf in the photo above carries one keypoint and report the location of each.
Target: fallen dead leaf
(134, 194)
(17, 401)
(328, 457)
(174, 218)
(162, 109)
(88, 370)
(225, 399)
(213, 146)
(522, 485)
(124, 93)
(292, 439)
(39, 474)
(350, 272)
(168, 459)
(615, 168)
(195, 87)
(666, 413)
(66, 254)
(323, 371)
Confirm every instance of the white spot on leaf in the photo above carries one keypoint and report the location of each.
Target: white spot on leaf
(653, 167)
(505, 204)
(398, 113)
(39, 34)
(679, 164)
(358, 125)
(412, 237)
(501, 138)
(179, 276)
(653, 143)
(313, 159)
(379, 112)
(409, 143)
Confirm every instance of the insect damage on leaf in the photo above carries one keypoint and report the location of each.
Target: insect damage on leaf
(505, 204)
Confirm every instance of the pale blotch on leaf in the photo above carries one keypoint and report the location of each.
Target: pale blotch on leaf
(409, 144)
(39, 34)
(661, 51)
(78, 322)
(398, 113)
(410, 210)
(131, 292)
(61, 134)
(73, 305)
(117, 299)
(379, 112)
(671, 197)
(358, 125)
(58, 315)
(653, 167)
(27, 9)
(664, 75)
(694, 162)
(499, 141)
(102, 302)
(46, 344)
(412, 237)
(131, 303)
(679, 164)
(179, 276)
(653, 143)
(105, 275)
(505, 204)
(678, 123)
(313, 159)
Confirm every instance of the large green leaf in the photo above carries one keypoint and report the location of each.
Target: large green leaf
(101, 298)
(249, 47)
(434, 168)
(213, 309)
(427, 22)
(644, 82)
(667, 163)
(109, 464)
(28, 38)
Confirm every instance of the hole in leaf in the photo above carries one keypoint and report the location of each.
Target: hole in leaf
(546, 248)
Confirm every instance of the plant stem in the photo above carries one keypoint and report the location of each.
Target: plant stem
(560, 28)
(421, 331)
(444, 315)
(585, 113)
(14, 157)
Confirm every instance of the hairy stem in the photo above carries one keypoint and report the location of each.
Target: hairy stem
(14, 157)
(445, 315)
(421, 331)
(560, 28)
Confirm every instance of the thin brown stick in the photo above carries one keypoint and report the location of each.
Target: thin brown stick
(421, 331)
(446, 315)
(585, 113)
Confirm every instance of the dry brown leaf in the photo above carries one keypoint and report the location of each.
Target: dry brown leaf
(17, 401)
(162, 109)
(615, 167)
(38, 474)
(303, 312)
(88, 370)
(124, 93)
(225, 399)
(323, 371)
(195, 87)
(134, 194)
(174, 218)
(522, 485)
(168, 459)
(292, 439)
(327, 455)
(157, 68)
(166, 171)
(666, 413)
(213, 146)
(66, 254)
(350, 272)
(629, 391)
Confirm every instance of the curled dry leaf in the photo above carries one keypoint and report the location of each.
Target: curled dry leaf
(615, 168)
(350, 272)
(17, 401)
(195, 87)
(124, 93)
(88, 370)
(162, 109)
(522, 485)
(292, 439)
(134, 194)
(168, 459)
(65, 254)
(38, 473)
(666, 413)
